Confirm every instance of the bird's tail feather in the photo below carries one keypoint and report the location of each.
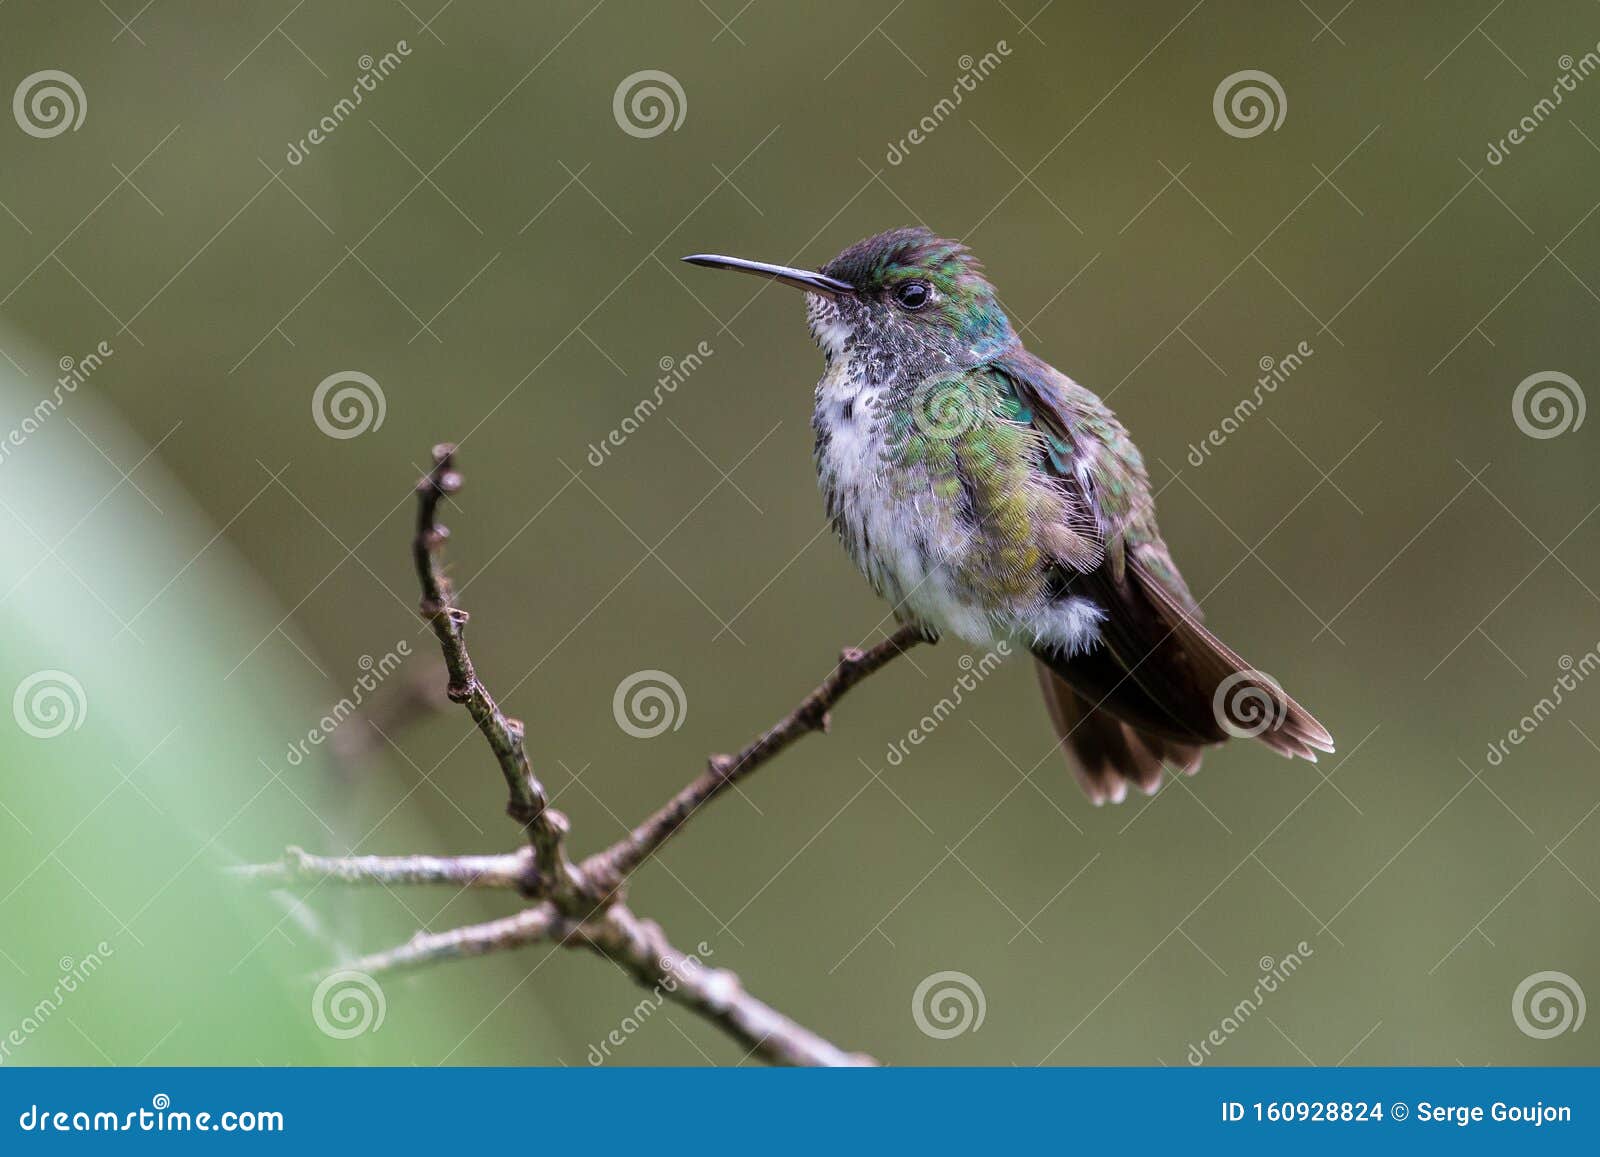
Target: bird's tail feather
(1244, 702)
(1156, 689)
(1106, 754)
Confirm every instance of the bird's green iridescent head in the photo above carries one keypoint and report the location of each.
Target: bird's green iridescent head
(906, 301)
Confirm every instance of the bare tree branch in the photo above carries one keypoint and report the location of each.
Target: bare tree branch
(723, 771)
(546, 828)
(641, 950)
(299, 867)
(579, 904)
(525, 927)
(715, 993)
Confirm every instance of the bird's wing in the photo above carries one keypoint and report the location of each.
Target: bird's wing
(1159, 669)
(1088, 451)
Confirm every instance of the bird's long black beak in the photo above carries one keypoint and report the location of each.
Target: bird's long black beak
(805, 279)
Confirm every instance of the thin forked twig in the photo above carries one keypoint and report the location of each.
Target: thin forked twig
(299, 868)
(723, 771)
(579, 904)
(546, 828)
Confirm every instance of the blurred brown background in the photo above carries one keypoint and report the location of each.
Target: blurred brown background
(485, 241)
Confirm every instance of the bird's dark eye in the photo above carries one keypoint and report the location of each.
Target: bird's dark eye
(913, 294)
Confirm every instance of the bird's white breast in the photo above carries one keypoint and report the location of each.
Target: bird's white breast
(908, 542)
(904, 539)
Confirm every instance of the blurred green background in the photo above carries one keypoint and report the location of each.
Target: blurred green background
(483, 238)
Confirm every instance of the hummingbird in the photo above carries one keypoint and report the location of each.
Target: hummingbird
(986, 495)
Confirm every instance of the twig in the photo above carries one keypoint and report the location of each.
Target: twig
(723, 771)
(641, 949)
(526, 927)
(580, 905)
(511, 870)
(529, 806)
